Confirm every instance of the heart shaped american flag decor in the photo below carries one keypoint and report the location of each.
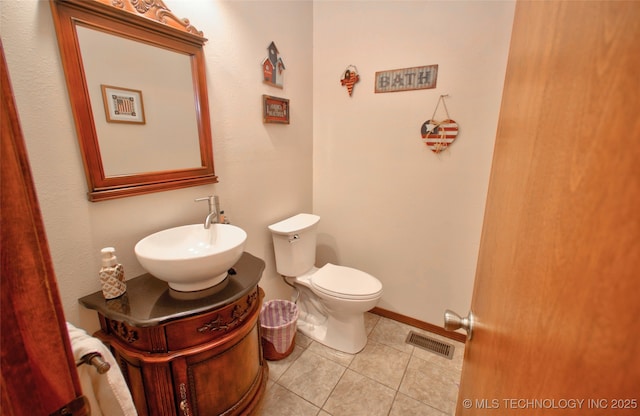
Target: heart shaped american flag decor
(438, 135)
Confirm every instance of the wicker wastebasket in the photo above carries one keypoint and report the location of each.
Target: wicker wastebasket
(278, 324)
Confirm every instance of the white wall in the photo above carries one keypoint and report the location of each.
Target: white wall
(265, 170)
(389, 205)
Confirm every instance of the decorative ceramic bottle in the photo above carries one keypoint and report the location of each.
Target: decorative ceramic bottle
(111, 275)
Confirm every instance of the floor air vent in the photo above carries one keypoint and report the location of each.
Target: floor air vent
(430, 344)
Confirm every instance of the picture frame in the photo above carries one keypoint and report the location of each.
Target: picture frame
(275, 109)
(123, 105)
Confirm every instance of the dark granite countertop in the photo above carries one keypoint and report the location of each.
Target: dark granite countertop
(149, 301)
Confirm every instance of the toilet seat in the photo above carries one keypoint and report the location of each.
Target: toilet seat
(345, 283)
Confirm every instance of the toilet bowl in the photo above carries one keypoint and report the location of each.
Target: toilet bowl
(332, 299)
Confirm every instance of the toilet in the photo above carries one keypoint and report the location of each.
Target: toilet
(332, 299)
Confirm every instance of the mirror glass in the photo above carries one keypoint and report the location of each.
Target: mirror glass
(137, 85)
(167, 134)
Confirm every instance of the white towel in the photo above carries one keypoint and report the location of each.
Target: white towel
(107, 393)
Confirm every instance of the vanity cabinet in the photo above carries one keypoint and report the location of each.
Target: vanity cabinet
(188, 353)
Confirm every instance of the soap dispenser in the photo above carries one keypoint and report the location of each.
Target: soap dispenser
(111, 274)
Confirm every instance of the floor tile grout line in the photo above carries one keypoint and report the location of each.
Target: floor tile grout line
(396, 390)
(404, 373)
(395, 346)
(296, 394)
(378, 381)
(395, 396)
(332, 390)
(305, 348)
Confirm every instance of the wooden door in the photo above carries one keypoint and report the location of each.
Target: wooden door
(557, 292)
(38, 371)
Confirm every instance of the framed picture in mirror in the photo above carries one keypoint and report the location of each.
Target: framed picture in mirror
(123, 105)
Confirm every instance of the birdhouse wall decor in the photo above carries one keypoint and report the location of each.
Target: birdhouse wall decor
(438, 135)
(273, 67)
(349, 78)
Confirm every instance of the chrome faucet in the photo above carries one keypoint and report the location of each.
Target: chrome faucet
(213, 217)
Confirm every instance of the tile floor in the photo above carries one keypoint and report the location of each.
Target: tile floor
(387, 378)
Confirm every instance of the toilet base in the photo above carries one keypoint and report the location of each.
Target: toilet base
(333, 322)
(346, 335)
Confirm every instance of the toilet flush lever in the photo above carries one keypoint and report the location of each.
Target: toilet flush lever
(294, 238)
(453, 321)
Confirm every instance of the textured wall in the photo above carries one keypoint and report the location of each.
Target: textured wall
(389, 205)
(265, 170)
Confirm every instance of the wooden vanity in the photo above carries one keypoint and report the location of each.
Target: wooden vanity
(188, 353)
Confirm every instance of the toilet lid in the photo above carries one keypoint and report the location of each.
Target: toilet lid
(345, 282)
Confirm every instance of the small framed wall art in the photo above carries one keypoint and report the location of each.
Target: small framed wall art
(275, 110)
(123, 105)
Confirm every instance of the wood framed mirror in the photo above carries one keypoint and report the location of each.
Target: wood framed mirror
(138, 90)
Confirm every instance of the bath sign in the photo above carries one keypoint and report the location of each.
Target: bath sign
(406, 79)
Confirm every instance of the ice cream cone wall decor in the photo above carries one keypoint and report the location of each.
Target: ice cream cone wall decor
(349, 78)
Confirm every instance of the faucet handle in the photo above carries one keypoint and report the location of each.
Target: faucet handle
(205, 198)
(212, 199)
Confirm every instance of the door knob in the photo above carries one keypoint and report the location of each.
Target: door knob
(453, 321)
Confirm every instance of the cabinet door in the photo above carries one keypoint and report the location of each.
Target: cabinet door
(222, 382)
(225, 376)
(149, 377)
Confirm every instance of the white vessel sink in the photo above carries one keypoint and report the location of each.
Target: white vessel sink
(191, 258)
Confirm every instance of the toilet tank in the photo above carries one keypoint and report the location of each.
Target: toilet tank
(294, 243)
